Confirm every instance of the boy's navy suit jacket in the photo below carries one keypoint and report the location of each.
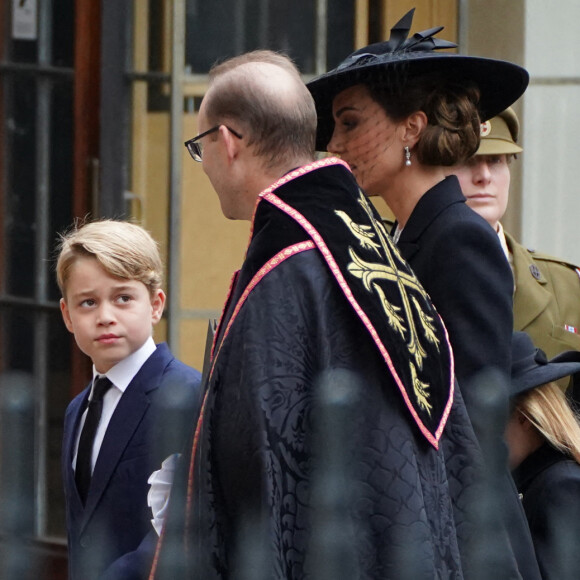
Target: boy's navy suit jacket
(112, 536)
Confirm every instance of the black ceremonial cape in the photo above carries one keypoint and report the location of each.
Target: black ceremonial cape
(323, 298)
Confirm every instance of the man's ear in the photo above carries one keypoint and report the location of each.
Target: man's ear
(413, 127)
(66, 315)
(232, 143)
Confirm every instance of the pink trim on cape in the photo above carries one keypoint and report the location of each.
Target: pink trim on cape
(263, 271)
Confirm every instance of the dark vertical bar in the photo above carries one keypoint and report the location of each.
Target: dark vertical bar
(114, 93)
(42, 252)
(175, 173)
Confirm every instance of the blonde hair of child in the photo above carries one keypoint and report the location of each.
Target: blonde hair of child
(547, 408)
(123, 250)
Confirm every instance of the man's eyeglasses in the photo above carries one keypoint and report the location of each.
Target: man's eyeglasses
(194, 145)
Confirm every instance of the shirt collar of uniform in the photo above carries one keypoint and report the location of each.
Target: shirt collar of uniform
(503, 242)
(124, 371)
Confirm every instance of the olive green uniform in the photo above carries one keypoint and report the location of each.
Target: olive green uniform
(546, 300)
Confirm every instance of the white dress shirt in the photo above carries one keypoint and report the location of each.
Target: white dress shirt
(503, 242)
(397, 234)
(121, 376)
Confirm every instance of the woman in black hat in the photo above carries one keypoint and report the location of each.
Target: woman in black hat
(399, 114)
(543, 437)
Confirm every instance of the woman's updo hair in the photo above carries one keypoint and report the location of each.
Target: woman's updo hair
(453, 132)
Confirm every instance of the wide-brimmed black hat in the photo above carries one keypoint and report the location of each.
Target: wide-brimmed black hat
(500, 83)
(531, 367)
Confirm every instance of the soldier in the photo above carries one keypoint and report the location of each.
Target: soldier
(547, 289)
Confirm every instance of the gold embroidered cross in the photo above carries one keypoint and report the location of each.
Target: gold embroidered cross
(372, 274)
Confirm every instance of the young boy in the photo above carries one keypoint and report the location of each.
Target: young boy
(120, 429)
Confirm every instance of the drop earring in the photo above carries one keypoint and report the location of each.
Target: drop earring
(407, 156)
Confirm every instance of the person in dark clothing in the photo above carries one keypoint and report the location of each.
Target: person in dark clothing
(543, 436)
(133, 413)
(400, 115)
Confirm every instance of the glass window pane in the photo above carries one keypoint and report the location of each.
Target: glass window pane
(341, 22)
(224, 28)
(24, 51)
(17, 341)
(217, 30)
(20, 149)
(63, 17)
(21, 177)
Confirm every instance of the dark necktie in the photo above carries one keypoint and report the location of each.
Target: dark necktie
(83, 470)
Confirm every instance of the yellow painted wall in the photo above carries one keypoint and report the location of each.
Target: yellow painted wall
(212, 247)
(428, 13)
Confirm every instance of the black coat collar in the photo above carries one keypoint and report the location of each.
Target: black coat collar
(429, 207)
(534, 464)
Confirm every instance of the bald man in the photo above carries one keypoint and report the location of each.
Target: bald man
(323, 317)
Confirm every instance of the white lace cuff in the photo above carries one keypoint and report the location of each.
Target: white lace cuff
(158, 496)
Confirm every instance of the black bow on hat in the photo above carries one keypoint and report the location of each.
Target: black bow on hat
(500, 82)
(531, 367)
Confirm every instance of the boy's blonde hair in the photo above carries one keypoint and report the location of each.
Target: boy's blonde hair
(547, 408)
(123, 249)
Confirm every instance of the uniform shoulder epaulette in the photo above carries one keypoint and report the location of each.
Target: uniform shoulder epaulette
(548, 258)
(540, 257)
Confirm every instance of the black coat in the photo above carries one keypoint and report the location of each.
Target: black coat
(458, 258)
(549, 482)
